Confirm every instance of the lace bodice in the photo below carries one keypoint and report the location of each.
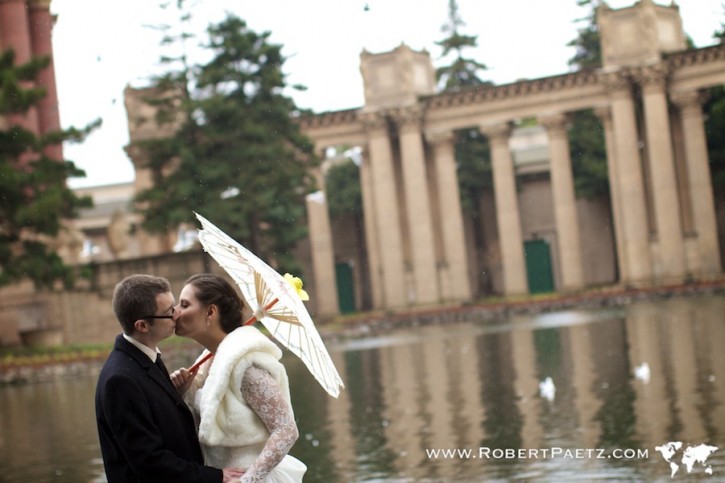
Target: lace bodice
(263, 395)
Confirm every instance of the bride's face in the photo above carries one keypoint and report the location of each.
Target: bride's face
(191, 315)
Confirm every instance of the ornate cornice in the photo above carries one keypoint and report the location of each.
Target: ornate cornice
(487, 93)
(334, 118)
(695, 56)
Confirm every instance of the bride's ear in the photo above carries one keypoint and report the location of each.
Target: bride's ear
(212, 311)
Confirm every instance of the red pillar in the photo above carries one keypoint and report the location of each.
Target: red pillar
(15, 34)
(41, 27)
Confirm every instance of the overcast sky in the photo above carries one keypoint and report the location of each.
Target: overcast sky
(101, 46)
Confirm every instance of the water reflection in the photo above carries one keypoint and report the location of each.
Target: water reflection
(462, 386)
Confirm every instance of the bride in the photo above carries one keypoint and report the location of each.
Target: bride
(240, 397)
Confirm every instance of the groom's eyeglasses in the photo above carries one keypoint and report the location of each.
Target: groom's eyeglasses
(161, 316)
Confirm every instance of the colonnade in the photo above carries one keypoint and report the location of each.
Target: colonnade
(660, 189)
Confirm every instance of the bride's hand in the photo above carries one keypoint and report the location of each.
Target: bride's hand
(181, 379)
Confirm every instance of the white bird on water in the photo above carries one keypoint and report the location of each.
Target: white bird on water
(642, 372)
(547, 389)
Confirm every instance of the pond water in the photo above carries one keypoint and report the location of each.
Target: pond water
(462, 402)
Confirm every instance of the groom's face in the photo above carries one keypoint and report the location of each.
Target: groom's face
(161, 327)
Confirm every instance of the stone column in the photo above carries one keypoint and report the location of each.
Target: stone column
(371, 232)
(417, 203)
(635, 236)
(507, 210)
(700, 183)
(454, 273)
(41, 26)
(562, 186)
(323, 254)
(15, 34)
(605, 116)
(390, 246)
(662, 168)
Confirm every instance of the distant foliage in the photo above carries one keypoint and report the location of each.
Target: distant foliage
(471, 147)
(238, 156)
(343, 189)
(586, 135)
(35, 198)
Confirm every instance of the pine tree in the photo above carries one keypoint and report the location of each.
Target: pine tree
(473, 156)
(35, 198)
(586, 136)
(714, 113)
(238, 157)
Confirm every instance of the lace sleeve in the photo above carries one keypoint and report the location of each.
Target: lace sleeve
(264, 397)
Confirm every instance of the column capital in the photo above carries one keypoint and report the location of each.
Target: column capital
(604, 113)
(652, 78)
(618, 81)
(497, 133)
(438, 138)
(373, 121)
(407, 117)
(555, 124)
(688, 99)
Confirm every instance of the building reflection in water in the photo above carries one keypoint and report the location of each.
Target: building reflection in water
(468, 386)
(458, 387)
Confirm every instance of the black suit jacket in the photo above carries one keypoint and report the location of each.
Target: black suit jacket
(147, 432)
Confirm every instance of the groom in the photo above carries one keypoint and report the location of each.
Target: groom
(147, 432)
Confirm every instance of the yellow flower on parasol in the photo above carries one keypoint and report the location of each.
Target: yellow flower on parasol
(276, 302)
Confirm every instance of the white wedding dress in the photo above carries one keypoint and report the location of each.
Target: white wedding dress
(240, 399)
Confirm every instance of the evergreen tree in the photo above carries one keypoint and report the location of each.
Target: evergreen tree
(586, 135)
(462, 71)
(473, 156)
(238, 157)
(588, 49)
(714, 111)
(35, 198)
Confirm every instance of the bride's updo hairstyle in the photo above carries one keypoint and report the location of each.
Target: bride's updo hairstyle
(213, 289)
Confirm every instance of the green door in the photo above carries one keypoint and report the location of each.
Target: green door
(538, 266)
(345, 289)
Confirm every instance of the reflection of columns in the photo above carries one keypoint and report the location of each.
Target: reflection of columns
(41, 26)
(562, 186)
(338, 420)
(682, 348)
(371, 233)
(651, 401)
(454, 275)
(507, 209)
(401, 403)
(526, 385)
(418, 210)
(586, 402)
(15, 34)
(386, 209)
(605, 116)
(323, 254)
(631, 187)
(700, 184)
(661, 162)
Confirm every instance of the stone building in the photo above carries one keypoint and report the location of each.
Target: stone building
(648, 96)
(416, 244)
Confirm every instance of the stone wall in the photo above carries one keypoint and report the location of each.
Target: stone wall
(84, 315)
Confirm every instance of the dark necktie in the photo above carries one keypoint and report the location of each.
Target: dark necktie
(160, 365)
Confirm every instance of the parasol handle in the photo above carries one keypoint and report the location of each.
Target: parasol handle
(251, 320)
(266, 308)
